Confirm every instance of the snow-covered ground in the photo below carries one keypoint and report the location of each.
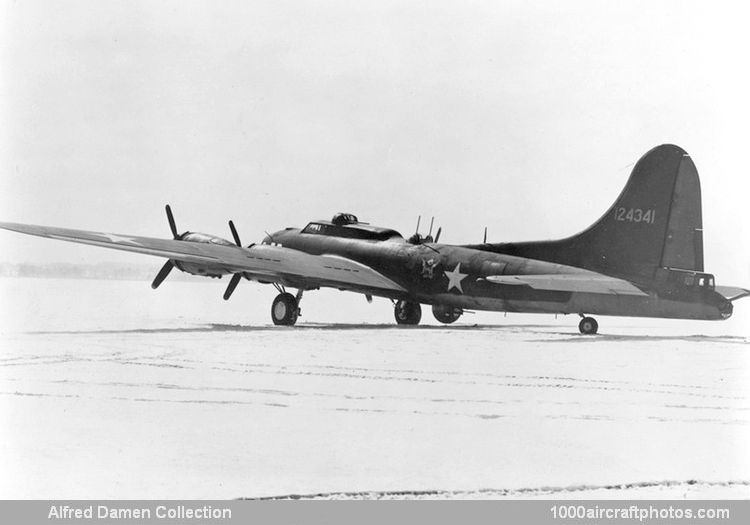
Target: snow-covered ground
(111, 390)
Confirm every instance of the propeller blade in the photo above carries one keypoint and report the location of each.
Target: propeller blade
(232, 285)
(234, 234)
(162, 274)
(172, 225)
(437, 235)
(485, 235)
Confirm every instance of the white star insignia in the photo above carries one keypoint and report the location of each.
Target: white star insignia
(118, 238)
(455, 277)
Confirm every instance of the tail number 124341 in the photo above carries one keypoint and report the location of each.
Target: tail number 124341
(635, 215)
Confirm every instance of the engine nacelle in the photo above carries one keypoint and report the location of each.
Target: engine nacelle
(446, 314)
(196, 269)
(206, 238)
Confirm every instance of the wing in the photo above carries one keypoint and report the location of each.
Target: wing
(583, 282)
(260, 262)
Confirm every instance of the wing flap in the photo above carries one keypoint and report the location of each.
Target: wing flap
(584, 283)
(323, 270)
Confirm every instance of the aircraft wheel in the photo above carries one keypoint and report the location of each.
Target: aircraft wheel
(284, 310)
(446, 314)
(588, 326)
(407, 312)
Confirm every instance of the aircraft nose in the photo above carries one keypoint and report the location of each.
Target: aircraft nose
(274, 238)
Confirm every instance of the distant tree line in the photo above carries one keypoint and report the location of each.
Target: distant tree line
(101, 270)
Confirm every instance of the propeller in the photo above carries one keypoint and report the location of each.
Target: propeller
(232, 285)
(234, 234)
(169, 264)
(437, 235)
(485, 235)
(162, 274)
(237, 276)
(172, 225)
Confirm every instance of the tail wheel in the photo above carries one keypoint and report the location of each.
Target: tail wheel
(588, 326)
(284, 310)
(407, 312)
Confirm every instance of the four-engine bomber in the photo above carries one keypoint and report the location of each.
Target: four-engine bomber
(643, 258)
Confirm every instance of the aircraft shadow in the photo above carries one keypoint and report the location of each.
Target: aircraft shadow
(695, 338)
(618, 488)
(531, 329)
(218, 327)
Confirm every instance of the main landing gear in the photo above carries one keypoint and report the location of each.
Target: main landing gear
(407, 312)
(285, 308)
(446, 314)
(588, 326)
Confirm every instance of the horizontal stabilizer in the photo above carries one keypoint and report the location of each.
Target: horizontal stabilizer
(584, 283)
(732, 293)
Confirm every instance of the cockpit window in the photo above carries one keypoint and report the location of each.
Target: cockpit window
(351, 232)
(313, 227)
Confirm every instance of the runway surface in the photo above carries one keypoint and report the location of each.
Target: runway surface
(111, 390)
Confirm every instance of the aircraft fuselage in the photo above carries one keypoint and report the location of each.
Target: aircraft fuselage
(440, 274)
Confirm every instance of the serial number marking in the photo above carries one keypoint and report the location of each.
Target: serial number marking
(635, 215)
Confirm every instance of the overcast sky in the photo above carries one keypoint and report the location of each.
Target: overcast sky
(522, 116)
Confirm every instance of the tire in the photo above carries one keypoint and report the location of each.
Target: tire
(284, 310)
(446, 314)
(407, 312)
(588, 326)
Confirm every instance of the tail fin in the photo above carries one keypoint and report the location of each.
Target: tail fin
(655, 222)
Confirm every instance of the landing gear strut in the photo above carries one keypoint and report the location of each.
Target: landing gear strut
(285, 309)
(407, 312)
(588, 326)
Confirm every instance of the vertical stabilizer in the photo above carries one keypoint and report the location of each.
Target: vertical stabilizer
(655, 222)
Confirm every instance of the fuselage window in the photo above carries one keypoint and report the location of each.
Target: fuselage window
(350, 232)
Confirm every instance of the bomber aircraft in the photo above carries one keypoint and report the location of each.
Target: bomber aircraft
(642, 258)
